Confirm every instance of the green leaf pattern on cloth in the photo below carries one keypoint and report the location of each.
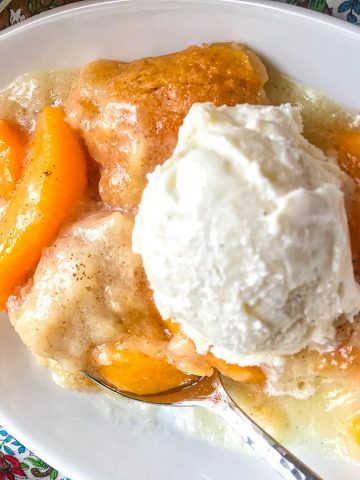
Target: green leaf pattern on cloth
(19, 463)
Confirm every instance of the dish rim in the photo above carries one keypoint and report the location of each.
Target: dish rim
(140, 5)
(274, 5)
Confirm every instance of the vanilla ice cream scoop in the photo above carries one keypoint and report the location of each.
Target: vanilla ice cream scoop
(244, 237)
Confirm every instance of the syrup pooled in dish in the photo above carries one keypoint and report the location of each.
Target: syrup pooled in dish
(81, 298)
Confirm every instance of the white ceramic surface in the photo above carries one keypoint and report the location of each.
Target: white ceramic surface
(76, 432)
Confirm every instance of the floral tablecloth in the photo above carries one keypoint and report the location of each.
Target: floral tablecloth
(15, 11)
(16, 461)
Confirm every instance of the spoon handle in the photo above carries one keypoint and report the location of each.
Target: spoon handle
(277, 456)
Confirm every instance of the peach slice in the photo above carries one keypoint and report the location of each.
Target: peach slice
(139, 373)
(53, 181)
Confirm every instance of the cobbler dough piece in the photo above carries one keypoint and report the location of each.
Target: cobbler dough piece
(89, 288)
(130, 113)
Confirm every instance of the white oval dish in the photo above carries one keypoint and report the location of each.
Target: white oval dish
(82, 434)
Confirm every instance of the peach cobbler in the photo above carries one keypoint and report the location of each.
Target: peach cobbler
(173, 215)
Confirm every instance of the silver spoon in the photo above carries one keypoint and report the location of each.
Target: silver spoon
(210, 393)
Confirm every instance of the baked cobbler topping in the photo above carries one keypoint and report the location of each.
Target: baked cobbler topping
(244, 255)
